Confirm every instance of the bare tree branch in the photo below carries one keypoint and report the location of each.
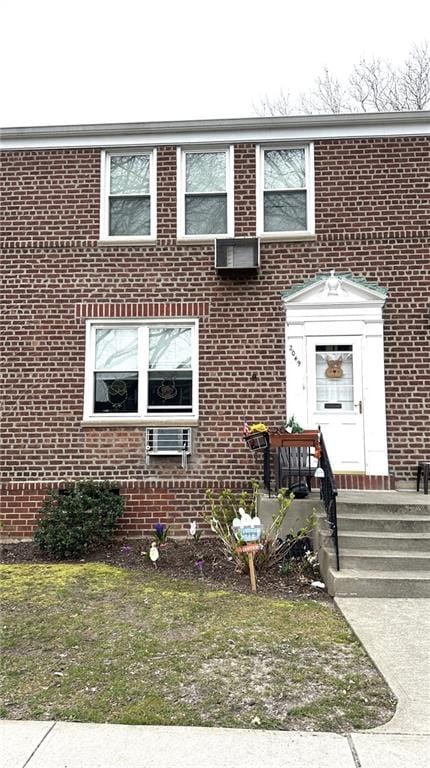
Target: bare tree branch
(374, 85)
(329, 96)
(274, 107)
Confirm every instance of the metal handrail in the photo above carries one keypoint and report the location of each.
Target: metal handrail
(328, 494)
(284, 466)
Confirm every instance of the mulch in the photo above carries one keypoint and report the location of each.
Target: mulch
(204, 561)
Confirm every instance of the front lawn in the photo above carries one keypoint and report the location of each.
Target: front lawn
(98, 643)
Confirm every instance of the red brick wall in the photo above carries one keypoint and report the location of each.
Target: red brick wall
(372, 219)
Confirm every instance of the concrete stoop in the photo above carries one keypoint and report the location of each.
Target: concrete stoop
(384, 545)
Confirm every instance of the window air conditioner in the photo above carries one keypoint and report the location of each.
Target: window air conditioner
(168, 441)
(238, 253)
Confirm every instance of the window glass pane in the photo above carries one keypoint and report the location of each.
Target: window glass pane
(129, 174)
(115, 392)
(205, 172)
(116, 349)
(284, 168)
(170, 391)
(284, 211)
(334, 378)
(129, 216)
(206, 215)
(169, 348)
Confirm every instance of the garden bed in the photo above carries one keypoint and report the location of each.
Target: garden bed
(205, 562)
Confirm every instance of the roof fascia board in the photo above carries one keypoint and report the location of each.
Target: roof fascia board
(219, 131)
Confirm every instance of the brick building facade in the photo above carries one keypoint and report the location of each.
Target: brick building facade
(107, 255)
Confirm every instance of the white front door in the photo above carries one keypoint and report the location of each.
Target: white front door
(335, 398)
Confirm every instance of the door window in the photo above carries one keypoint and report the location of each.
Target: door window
(334, 368)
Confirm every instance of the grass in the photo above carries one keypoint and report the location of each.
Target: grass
(97, 643)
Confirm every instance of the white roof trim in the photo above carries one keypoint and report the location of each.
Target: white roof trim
(334, 290)
(261, 129)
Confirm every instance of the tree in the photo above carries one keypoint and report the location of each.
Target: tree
(374, 85)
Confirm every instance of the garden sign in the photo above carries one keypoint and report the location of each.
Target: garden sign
(248, 529)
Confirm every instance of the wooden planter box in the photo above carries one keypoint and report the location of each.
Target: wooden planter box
(309, 438)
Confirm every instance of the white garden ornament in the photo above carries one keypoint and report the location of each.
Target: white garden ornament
(154, 553)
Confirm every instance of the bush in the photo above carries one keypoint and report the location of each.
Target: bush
(273, 551)
(79, 519)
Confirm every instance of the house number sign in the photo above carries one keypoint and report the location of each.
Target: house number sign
(294, 355)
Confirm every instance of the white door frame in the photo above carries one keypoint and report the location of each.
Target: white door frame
(331, 306)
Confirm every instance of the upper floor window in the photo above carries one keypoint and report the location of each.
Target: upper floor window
(285, 195)
(128, 195)
(205, 195)
(138, 370)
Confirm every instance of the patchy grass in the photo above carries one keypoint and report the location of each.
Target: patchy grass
(93, 642)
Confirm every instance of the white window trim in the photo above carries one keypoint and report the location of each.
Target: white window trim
(310, 193)
(104, 196)
(142, 417)
(180, 180)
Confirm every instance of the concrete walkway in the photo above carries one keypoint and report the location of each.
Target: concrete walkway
(396, 635)
(76, 745)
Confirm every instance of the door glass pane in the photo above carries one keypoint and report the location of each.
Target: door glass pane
(205, 172)
(334, 368)
(284, 168)
(284, 211)
(129, 174)
(116, 349)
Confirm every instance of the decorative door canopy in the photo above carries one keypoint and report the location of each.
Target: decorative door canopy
(325, 290)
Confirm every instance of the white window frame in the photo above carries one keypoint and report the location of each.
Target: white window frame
(181, 181)
(142, 416)
(106, 156)
(295, 234)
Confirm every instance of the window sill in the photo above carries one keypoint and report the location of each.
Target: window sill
(287, 237)
(128, 241)
(199, 239)
(190, 421)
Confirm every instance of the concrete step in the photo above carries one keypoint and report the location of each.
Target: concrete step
(354, 583)
(376, 508)
(365, 560)
(383, 522)
(384, 545)
(385, 542)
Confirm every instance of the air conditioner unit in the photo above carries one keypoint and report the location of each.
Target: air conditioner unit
(237, 254)
(168, 441)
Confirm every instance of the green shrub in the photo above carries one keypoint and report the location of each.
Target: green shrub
(79, 519)
(274, 551)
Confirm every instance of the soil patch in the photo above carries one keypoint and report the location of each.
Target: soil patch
(204, 561)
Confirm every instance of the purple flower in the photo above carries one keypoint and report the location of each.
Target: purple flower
(126, 550)
(200, 565)
(161, 532)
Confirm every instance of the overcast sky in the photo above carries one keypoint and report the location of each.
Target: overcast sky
(95, 61)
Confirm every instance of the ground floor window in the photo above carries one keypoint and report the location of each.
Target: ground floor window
(141, 370)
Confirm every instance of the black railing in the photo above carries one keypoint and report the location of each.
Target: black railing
(293, 467)
(292, 464)
(328, 494)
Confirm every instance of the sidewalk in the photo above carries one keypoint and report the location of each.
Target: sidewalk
(396, 635)
(76, 745)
